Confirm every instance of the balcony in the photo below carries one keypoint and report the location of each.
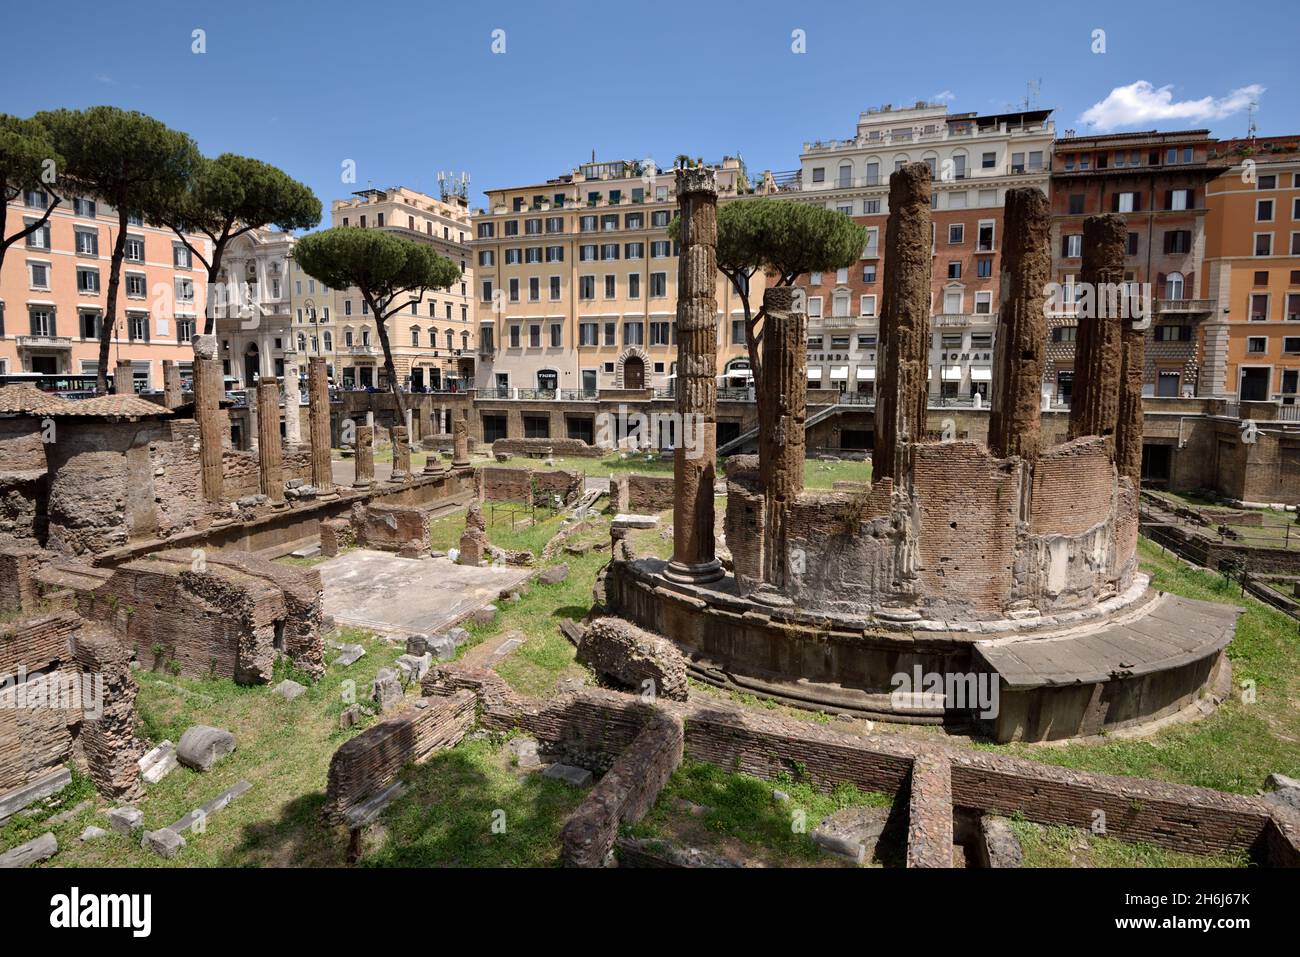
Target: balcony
(44, 342)
(1185, 306)
(361, 350)
(837, 322)
(950, 320)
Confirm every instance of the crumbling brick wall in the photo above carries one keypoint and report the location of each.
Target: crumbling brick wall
(649, 493)
(208, 613)
(19, 591)
(558, 446)
(35, 739)
(625, 794)
(501, 484)
(364, 766)
(111, 747)
(241, 472)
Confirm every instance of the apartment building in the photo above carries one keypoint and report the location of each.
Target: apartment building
(433, 339)
(1157, 182)
(576, 282)
(1252, 269)
(975, 160)
(311, 306)
(252, 303)
(54, 291)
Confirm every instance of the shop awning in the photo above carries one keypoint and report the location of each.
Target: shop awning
(981, 375)
(815, 374)
(952, 373)
(839, 372)
(866, 372)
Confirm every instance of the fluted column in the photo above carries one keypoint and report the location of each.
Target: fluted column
(318, 398)
(695, 461)
(904, 356)
(207, 413)
(1015, 420)
(269, 458)
(173, 396)
(781, 417)
(401, 454)
(364, 457)
(123, 378)
(460, 440)
(292, 403)
(1098, 358)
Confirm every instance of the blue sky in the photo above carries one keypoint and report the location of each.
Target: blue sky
(407, 89)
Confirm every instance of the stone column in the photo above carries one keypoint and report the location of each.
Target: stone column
(401, 454)
(292, 404)
(269, 459)
(904, 354)
(1014, 421)
(173, 396)
(460, 440)
(363, 454)
(781, 417)
(1098, 359)
(123, 378)
(207, 413)
(318, 396)
(695, 461)
(1129, 422)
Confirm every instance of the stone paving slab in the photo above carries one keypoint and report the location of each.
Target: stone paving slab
(1173, 631)
(381, 592)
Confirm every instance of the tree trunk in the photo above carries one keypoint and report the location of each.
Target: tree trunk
(210, 302)
(110, 309)
(7, 241)
(382, 328)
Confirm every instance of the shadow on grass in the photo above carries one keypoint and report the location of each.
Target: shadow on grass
(300, 838)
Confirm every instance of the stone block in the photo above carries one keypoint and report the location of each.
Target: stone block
(202, 746)
(1000, 846)
(92, 833)
(413, 667)
(158, 763)
(626, 520)
(163, 842)
(575, 776)
(630, 656)
(553, 574)
(126, 820)
(386, 690)
(14, 801)
(524, 751)
(852, 832)
(288, 690)
(351, 654)
(33, 852)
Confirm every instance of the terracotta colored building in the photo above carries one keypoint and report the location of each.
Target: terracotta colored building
(1157, 182)
(974, 159)
(53, 293)
(1253, 269)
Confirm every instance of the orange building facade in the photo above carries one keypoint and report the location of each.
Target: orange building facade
(1253, 269)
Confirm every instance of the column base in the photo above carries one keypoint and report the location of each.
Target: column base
(365, 484)
(695, 574)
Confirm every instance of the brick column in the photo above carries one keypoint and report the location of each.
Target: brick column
(172, 393)
(123, 378)
(364, 457)
(460, 440)
(207, 413)
(781, 417)
(269, 459)
(694, 463)
(1014, 421)
(1098, 360)
(318, 396)
(292, 404)
(904, 354)
(401, 454)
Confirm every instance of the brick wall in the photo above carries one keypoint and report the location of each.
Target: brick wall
(34, 740)
(502, 484)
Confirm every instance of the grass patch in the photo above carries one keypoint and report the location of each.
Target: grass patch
(1061, 846)
(466, 807)
(743, 818)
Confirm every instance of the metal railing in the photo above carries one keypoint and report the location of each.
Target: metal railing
(1185, 305)
(579, 395)
(546, 394)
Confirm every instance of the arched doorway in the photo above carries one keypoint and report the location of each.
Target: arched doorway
(252, 365)
(634, 373)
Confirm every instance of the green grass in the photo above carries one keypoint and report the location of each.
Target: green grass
(283, 750)
(743, 816)
(467, 807)
(1063, 846)
(1235, 748)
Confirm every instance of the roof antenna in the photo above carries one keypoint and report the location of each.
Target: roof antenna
(1250, 117)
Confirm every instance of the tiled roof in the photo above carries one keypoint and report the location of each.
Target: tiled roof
(112, 406)
(31, 400)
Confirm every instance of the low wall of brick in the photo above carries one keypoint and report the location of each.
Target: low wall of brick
(572, 447)
(929, 812)
(35, 740)
(531, 486)
(644, 494)
(595, 726)
(625, 794)
(370, 762)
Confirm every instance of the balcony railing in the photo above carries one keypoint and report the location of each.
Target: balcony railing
(44, 342)
(579, 395)
(545, 394)
(493, 394)
(1185, 305)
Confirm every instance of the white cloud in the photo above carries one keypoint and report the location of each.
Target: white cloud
(105, 79)
(1142, 103)
(946, 96)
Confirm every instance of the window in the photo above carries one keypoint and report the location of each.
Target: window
(512, 227)
(1072, 246)
(984, 243)
(659, 249)
(1178, 241)
(1263, 210)
(1178, 199)
(134, 249)
(534, 337)
(1173, 333)
(988, 160)
(532, 227)
(555, 289)
(867, 304)
(984, 267)
(557, 335)
(138, 326)
(135, 285)
(659, 218)
(589, 334)
(42, 319)
(634, 251)
(514, 290)
(554, 224)
(660, 333)
(1076, 203)
(609, 251)
(88, 280)
(1257, 345)
(983, 303)
(611, 336)
(814, 307)
(869, 272)
(87, 242)
(555, 254)
(534, 289)
(954, 270)
(956, 234)
(588, 253)
(513, 256)
(1263, 244)
(185, 331)
(1065, 333)
(487, 291)
(871, 207)
(1291, 345)
(1259, 307)
(953, 303)
(658, 285)
(485, 230)
(819, 174)
(1293, 306)
(611, 287)
(1131, 244)
(83, 207)
(39, 275)
(586, 287)
(633, 334)
(181, 256)
(1174, 286)
(634, 286)
(514, 337)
